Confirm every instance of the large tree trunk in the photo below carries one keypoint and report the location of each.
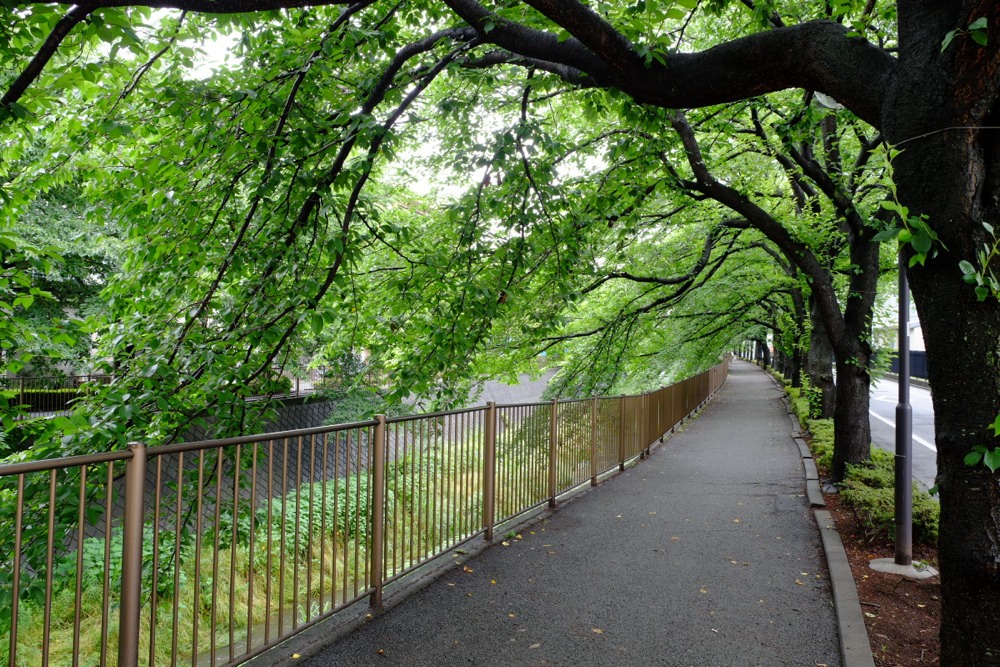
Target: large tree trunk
(796, 369)
(962, 344)
(851, 427)
(852, 349)
(763, 354)
(949, 171)
(819, 362)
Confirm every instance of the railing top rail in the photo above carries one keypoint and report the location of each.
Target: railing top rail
(501, 406)
(433, 415)
(24, 467)
(162, 450)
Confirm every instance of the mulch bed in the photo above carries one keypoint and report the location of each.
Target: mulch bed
(903, 616)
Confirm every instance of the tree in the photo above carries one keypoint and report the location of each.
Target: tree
(922, 72)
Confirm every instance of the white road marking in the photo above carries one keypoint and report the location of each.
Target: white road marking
(916, 438)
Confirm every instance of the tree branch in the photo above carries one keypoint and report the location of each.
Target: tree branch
(45, 53)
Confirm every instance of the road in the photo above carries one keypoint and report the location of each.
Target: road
(884, 397)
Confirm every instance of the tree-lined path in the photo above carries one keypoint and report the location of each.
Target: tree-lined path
(705, 554)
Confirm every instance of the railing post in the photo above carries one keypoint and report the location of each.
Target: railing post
(490, 470)
(593, 441)
(644, 426)
(378, 511)
(553, 459)
(621, 433)
(131, 594)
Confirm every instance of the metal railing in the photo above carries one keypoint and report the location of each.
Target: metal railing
(49, 393)
(45, 394)
(227, 547)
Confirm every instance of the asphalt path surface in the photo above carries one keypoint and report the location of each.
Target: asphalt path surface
(884, 399)
(705, 554)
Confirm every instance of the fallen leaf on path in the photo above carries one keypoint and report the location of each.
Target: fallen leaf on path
(800, 583)
(535, 646)
(466, 568)
(512, 615)
(597, 631)
(703, 589)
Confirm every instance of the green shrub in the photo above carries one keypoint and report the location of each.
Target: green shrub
(869, 489)
(871, 474)
(822, 442)
(800, 404)
(814, 400)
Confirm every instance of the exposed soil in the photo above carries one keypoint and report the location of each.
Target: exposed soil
(903, 616)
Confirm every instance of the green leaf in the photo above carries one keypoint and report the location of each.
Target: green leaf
(886, 235)
(922, 242)
(973, 458)
(979, 37)
(995, 426)
(992, 459)
(947, 39)
(966, 267)
(317, 322)
(979, 24)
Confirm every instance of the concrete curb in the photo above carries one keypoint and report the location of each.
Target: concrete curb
(814, 494)
(854, 645)
(803, 447)
(810, 467)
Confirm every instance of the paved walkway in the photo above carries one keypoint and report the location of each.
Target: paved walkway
(705, 554)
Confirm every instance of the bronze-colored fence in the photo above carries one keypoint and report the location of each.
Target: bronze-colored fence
(50, 393)
(227, 547)
(56, 393)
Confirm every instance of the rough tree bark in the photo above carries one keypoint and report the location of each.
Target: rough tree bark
(941, 112)
(819, 362)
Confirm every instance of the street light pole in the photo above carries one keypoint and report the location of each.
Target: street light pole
(904, 430)
(902, 564)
